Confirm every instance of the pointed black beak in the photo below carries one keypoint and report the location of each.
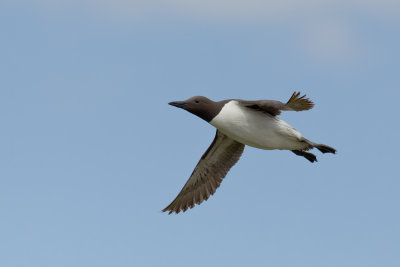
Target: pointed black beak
(178, 104)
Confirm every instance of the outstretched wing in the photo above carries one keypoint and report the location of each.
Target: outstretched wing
(273, 107)
(215, 163)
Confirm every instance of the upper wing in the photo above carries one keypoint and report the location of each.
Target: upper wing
(273, 107)
(215, 163)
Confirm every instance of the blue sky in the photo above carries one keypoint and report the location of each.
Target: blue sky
(90, 152)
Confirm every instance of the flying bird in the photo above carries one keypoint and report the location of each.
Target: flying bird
(240, 123)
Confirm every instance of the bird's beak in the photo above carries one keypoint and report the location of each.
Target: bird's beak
(178, 104)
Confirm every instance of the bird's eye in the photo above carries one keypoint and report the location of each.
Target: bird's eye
(197, 101)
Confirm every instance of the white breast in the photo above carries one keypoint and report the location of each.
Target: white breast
(255, 128)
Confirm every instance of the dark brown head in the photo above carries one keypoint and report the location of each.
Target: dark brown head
(200, 106)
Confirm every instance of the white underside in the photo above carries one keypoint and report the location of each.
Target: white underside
(257, 129)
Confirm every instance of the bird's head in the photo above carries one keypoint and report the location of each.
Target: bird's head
(200, 106)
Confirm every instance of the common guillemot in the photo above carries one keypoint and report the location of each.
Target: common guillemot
(240, 123)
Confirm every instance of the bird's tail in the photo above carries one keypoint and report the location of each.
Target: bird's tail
(325, 149)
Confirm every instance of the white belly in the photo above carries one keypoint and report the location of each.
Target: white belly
(256, 129)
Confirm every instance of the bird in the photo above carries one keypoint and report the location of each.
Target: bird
(240, 123)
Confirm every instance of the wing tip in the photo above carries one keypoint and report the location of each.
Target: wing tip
(170, 210)
(299, 103)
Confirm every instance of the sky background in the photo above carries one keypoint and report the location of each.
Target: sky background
(90, 152)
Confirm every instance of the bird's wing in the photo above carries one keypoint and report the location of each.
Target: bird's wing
(215, 163)
(273, 107)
